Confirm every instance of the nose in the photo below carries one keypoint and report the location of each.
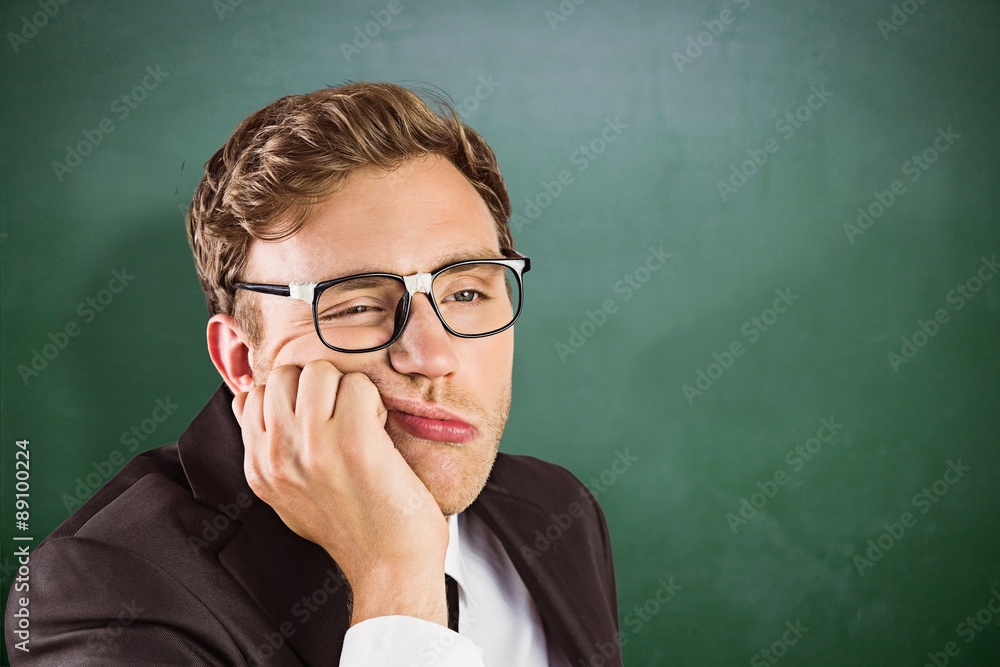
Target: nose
(425, 346)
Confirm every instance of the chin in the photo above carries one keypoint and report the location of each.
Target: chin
(454, 474)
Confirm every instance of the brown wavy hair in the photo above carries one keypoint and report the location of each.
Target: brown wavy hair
(297, 152)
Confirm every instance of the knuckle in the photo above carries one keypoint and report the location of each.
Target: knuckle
(318, 371)
(254, 478)
(265, 459)
(357, 383)
(275, 465)
(284, 373)
(252, 437)
(319, 366)
(254, 395)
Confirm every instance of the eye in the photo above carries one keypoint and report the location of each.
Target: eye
(343, 313)
(465, 296)
(354, 310)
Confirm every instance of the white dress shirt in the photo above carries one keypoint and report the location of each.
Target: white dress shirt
(498, 622)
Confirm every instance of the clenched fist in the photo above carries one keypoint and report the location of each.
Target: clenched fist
(317, 452)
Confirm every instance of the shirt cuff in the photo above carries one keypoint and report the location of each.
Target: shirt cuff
(407, 641)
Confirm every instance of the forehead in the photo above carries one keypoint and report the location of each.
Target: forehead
(411, 219)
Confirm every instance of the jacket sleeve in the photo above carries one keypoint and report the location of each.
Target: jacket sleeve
(94, 604)
(608, 564)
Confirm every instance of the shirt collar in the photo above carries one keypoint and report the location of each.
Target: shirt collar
(453, 562)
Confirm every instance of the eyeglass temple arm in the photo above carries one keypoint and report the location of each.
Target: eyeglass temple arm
(513, 254)
(301, 291)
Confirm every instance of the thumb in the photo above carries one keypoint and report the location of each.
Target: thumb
(238, 402)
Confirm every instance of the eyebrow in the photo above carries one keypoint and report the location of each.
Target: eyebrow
(461, 256)
(441, 262)
(362, 283)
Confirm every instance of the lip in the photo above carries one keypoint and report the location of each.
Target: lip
(428, 421)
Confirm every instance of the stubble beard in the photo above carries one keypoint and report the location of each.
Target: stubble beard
(473, 461)
(476, 457)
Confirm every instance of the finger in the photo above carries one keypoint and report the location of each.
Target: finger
(279, 395)
(238, 402)
(317, 392)
(253, 432)
(383, 413)
(252, 410)
(358, 408)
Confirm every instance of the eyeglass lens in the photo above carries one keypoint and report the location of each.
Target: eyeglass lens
(472, 299)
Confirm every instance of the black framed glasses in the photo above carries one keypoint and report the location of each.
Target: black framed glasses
(367, 312)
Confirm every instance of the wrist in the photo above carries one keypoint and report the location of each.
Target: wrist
(389, 591)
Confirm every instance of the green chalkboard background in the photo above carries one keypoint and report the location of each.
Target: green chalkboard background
(684, 94)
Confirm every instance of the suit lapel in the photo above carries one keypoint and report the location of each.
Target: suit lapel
(295, 584)
(558, 581)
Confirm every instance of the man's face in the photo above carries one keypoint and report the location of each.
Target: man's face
(413, 219)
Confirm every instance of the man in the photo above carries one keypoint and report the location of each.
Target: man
(341, 497)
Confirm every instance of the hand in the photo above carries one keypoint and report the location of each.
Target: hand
(316, 450)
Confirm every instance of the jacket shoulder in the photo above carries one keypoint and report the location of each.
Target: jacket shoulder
(130, 575)
(162, 463)
(542, 482)
(95, 603)
(560, 498)
(149, 509)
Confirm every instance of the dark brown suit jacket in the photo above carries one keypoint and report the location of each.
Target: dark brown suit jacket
(176, 562)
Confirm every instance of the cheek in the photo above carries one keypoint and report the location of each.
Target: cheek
(488, 362)
(297, 352)
(305, 347)
(302, 350)
(296, 348)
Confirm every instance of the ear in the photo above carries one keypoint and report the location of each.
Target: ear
(230, 352)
